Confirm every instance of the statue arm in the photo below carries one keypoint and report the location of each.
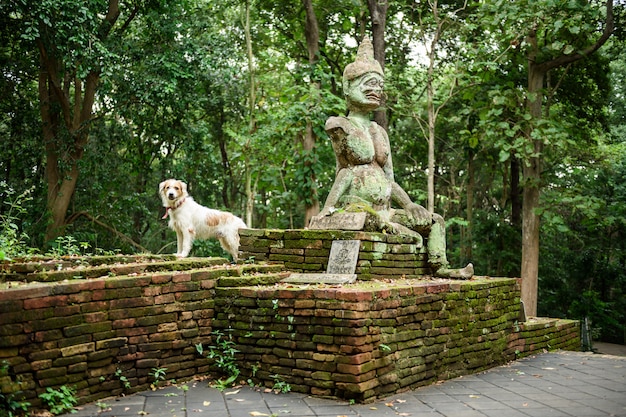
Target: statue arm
(339, 188)
(421, 215)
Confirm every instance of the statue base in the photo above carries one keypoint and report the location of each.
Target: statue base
(381, 255)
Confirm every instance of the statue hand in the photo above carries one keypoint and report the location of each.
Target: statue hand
(422, 216)
(326, 211)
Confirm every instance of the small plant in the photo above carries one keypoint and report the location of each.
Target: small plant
(222, 384)
(103, 407)
(159, 376)
(255, 369)
(68, 246)
(280, 385)
(384, 348)
(125, 382)
(223, 355)
(60, 401)
(12, 240)
(11, 407)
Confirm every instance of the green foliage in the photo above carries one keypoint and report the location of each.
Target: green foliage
(173, 102)
(68, 246)
(60, 401)
(12, 238)
(10, 406)
(280, 385)
(125, 382)
(223, 356)
(158, 376)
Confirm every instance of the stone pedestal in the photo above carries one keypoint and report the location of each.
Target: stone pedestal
(381, 255)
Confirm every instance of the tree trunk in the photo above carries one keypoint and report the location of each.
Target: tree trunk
(252, 123)
(531, 192)
(532, 168)
(60, 117)
(378, 15)
(516, 204)
(466, 241)
(66, 106)
(311, 30)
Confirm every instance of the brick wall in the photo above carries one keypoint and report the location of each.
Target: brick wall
(374, 339)
(360, 341)
(81, 333)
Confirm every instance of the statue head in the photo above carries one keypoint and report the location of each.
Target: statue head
(363, 79)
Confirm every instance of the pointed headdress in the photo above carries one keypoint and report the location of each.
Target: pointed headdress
(363, 63)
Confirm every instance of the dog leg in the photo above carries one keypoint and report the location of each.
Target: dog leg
(179, 242)
(230, 244)
(188, 236)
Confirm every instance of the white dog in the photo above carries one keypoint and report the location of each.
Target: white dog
(192, 221)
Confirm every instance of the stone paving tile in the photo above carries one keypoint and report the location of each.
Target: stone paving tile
(563, 384)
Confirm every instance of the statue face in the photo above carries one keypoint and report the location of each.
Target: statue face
(365, 92)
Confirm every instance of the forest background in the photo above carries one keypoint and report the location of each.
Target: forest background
(100, 100)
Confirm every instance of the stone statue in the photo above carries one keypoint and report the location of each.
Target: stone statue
(364, 175)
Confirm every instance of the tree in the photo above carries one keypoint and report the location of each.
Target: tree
(73, 43)
(312, 35)
(550, 36)
(378, 19)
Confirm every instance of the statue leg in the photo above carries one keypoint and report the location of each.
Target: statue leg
(437, 242)
(437, 253)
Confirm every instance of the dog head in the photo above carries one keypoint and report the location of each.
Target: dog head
(172, 191)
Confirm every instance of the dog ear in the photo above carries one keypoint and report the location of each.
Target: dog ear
(183, 186)
(161, 186)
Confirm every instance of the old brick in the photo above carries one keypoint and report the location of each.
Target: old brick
(111, 343)
(157, 319)
(77, 349)
(130, 303)
(164, 299)
(7, 306)
(87, 328)
(181, 277)
(43, 302)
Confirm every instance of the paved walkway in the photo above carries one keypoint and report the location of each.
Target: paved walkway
(551, 384)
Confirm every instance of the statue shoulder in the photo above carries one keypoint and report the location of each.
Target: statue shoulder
(336, 122)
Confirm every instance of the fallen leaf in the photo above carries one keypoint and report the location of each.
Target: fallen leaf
(474, 396)
(206, 403)
(373, 408)
(239, 400)
(126, 408)
(232, 392)
(389, 404)
(257, 414)
(548, 369)
(525, 405)
(404, 414)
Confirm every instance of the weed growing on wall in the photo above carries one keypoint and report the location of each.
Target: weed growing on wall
(158, 374)
(222, 353)
(60, 401)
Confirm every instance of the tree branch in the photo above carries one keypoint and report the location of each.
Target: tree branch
(568, 59)
(120, 235)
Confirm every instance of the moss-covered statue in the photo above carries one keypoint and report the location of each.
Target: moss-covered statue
(364, 177)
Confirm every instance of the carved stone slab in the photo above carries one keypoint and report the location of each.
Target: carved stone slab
(342, 260)
(340, 221)
(335, 279)
(343, 257)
